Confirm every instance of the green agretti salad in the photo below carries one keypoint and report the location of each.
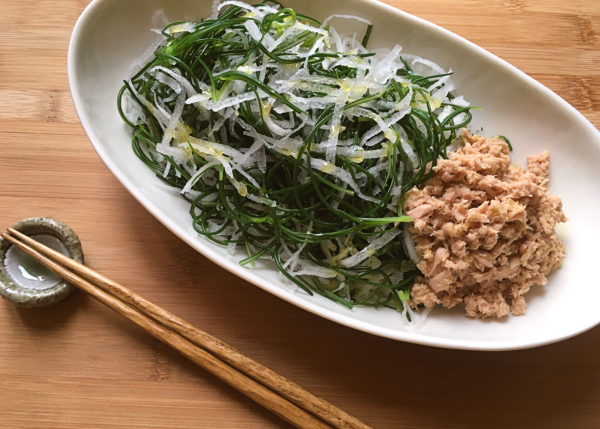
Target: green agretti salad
(295, 143)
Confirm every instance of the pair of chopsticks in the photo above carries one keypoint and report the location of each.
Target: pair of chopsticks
(274, 392)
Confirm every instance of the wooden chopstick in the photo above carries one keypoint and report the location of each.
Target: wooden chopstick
(327, 412)
(249, 387)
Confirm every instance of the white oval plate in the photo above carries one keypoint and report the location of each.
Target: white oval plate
(111, 34)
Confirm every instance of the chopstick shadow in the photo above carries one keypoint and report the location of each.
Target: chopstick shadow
(167, 362)
(380, 381)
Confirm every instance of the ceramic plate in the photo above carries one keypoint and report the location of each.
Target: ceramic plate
(111, 34)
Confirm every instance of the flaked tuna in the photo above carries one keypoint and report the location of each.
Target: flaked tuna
(484, 231)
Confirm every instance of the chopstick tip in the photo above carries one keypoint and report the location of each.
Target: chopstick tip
(9, 237)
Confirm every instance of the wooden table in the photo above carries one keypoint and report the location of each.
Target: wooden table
(78, 365)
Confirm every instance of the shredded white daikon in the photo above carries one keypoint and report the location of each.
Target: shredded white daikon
(215, 9)
(371, 249)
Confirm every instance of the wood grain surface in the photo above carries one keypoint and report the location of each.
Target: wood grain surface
(78, 365)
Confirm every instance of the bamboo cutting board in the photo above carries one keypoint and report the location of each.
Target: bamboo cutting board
(78, 365)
